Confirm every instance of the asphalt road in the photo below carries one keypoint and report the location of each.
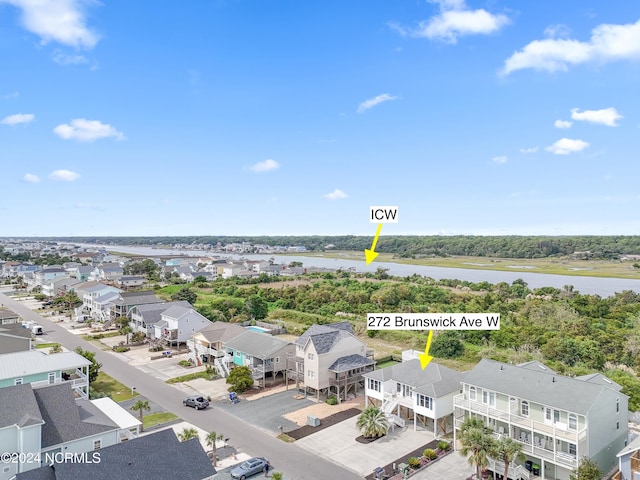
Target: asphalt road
(296, 463)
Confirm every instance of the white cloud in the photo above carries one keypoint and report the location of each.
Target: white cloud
(501, 159)
(562, 124)
(31, 178)
(606, 116)
(608, 43)
(565, 146)
(529, 150)
(556, 31)
(64, 175)
(456, 20)
(335, 195)
(11, 96)
(61, 21)
(18, 118)
(66, 59)
(84, 130)
(372, 102)
(265, 166)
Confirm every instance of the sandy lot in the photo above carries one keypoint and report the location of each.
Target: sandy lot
(323, 410)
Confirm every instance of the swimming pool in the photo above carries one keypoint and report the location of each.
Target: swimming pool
(258, 329)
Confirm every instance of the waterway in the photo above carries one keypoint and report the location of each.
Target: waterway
(589, 285)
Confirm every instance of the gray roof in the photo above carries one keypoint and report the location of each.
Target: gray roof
(15, 329)
(152, 313)
(540, 385)
(106, 298)
(324, 337)
(256, 344)
(6, 313)
(137, 298)
(20, 364)
(19, 406)
(96, 288)
(344, 364)
(126, 278)
(176, 311)
(64, 419)
(43, 473)
(221, 331)
(157, 456)
(434, 381)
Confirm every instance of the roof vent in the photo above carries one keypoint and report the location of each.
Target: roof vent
(554, 380)
(542, 366)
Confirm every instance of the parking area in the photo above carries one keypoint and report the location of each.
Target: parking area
(267, 412)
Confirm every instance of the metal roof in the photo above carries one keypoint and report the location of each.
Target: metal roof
(116, 413)
(21, 364)
(256, 344)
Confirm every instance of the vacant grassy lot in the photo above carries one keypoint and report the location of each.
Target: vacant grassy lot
(190, 376)
(154, 419)
(110, 386)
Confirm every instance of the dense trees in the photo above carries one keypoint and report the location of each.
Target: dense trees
(240, 379)
(95, 367)
(609, 247)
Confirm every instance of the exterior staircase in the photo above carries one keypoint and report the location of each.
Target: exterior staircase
(221, 366)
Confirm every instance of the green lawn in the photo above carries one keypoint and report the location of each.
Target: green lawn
(154, 419)
(110, 386)
(190, 376)
(46, 345)
(388, 363)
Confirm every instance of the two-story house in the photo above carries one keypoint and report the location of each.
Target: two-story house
(43, 422)
(406, 391)
(39, 369)
(177, 324)
(557, 419)
(124, 303)
(49, 273)
(14, 338)
(264, 354)
(330, 359)
(96, 301)
(8, 316)
(209, 345)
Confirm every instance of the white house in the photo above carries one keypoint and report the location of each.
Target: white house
(406, 391)
(178, 323)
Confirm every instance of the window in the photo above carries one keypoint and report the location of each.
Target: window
(573, 422)
(310, 373)
(373, 384)
(404, 390)
(472, 393)
(18, 381)
(97, 444)
(52, 378)
(524, 409)
(310, 356)
(489, 398)
(424, 401)
(572, 449)
(276, 360)
(237, 353)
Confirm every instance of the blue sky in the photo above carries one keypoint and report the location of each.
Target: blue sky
(232, 117)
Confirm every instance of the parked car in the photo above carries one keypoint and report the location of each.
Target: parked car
(198, 402)
(249, 468)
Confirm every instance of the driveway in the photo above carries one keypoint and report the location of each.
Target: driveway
(267, 412)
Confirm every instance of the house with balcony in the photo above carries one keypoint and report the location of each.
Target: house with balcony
(124, 303)
(330, 359)
(209, 345)
(96, 301)
(130, 281)
(39, 370)
(8, 316)
(43, 422)
(557, 419)
(49, 273)
(407, 392)
(59, 286)
(178, 322)
(264, 354)
(144, 317)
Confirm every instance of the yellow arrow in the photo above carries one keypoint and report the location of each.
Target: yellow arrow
(369, 254)
(425, 358)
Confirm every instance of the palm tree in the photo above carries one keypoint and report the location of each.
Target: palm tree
(126, 330)
(507, 450)
(188, 434)
(277, 476)
(477, 443)
(211, 439)
(141, 406)
(372, 422)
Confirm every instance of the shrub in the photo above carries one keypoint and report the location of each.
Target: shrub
(332, 400)
(121, 348)
(414, 462)
(429, 454)
(444, 446)
(184, 363)
(99, 336)
(137, 337)
(155, 348)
